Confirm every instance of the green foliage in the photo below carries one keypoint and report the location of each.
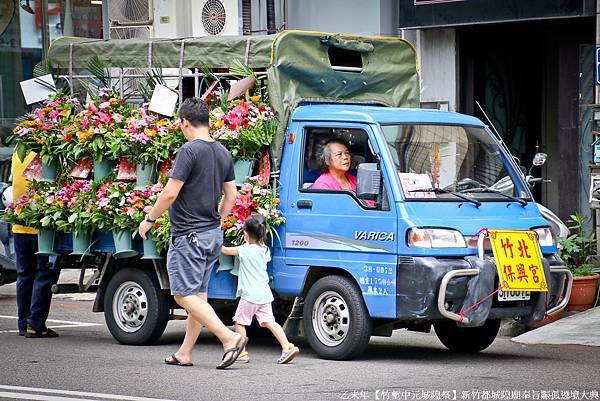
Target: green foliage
(576, 250)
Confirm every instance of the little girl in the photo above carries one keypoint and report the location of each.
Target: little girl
(253, 287)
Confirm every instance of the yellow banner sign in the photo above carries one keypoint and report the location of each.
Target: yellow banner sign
(518, 260)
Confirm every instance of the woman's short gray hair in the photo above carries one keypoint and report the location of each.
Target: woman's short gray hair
(326, 152)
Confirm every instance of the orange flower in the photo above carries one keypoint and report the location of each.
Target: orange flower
(162, 122)
(112, 100)
(64, 112)
(18, 209)
(277, 201)
(220, 123)
(255, 98)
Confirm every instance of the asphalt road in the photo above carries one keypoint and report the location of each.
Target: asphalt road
(87, 363)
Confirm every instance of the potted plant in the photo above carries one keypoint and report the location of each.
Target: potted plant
(110, 213)
(576, 251)
(140, 203)
(79, 222)
(102, 119)
(243, 126)
(46, 132)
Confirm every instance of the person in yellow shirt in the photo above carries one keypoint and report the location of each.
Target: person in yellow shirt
(35, 276)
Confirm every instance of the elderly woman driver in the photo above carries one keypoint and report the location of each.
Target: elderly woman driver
(337, 159)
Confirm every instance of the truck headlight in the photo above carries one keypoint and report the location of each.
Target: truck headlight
(435, 238)
(545, 236)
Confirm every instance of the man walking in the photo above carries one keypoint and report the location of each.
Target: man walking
(34, 275)
(203, 169)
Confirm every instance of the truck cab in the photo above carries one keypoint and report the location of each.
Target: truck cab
(409, 258)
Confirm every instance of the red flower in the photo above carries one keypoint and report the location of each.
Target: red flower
(68, 137)
(261, 108)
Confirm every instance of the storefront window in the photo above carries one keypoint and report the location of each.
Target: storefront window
(21, 43)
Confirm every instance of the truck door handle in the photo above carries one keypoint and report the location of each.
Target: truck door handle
(304, 204)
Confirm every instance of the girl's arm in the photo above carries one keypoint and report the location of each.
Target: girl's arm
(229, 250)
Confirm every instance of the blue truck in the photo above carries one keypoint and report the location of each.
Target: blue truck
(406, 250)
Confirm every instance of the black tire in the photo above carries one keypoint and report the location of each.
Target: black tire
(329, 334)
(467, 339)
(148, 313)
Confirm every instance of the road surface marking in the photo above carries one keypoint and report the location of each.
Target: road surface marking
(25, 393)
(65, 324)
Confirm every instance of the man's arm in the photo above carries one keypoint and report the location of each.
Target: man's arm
(166, 198)
(230, 192)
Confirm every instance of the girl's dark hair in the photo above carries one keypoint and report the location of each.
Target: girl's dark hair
(256, 228)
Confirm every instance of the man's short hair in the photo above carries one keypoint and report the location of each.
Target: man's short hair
(195, 110)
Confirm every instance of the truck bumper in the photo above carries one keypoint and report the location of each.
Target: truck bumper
(431, 289)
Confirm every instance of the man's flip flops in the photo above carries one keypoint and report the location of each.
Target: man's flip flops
(172, 360)
(233, 353)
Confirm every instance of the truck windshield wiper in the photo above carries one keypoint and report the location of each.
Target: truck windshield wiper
(522, 202)
(443, 191)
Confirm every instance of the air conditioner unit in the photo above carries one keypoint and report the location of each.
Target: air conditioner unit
(216, 17)
(130, 12)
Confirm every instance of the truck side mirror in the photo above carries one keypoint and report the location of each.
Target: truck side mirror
(368, 179)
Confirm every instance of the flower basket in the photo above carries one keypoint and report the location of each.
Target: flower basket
(82, 243)
(123, 244)
(102, 168)
(243, 169)
(145, 174)
(49, 171)
(150, 251)
(46, 242)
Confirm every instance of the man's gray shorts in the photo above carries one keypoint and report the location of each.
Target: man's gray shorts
(190, 260)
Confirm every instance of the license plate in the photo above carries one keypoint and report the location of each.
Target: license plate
(514, 295)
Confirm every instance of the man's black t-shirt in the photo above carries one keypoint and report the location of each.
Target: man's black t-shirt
(203, 167)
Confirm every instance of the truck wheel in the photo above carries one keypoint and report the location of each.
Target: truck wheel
(336, 320)
(136, 310)
(467, 339)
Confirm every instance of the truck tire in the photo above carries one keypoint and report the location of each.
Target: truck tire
(336, 320)
(136, 309)
(467, 339)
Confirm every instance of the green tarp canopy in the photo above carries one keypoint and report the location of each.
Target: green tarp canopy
(368, 70)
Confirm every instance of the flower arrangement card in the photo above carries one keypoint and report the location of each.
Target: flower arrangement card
(163, 101)
(38, 89)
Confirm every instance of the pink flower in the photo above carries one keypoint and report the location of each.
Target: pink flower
(103, 202)
(49, 200)
(147, 209)
(104, 105)
(247, 187)
(105, 118)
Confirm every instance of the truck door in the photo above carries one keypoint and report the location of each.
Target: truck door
(333, 229)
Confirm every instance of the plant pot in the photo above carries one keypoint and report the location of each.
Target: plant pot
(46, 242)
(225, 262)
(82, 243)
(150, 251)
(102, 168)
(123, 244)
(145, 175)
(49, 171)
(583, 294)
(243, 169)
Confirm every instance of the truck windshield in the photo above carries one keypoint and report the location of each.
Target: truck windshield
(449, 162)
